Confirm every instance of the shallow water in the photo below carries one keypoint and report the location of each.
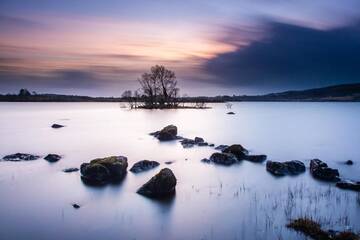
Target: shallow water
(242, 201)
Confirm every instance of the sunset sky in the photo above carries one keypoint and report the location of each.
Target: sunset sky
(100, 48)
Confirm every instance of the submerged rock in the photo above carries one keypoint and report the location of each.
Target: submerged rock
(349, 162)
(205, 160)
(20, 157)
(187, 143)
(255, 158)
(68, 170)
(230, 113)
(52, 157)
(221, 147)
(103, 170)
(223, 158)
(237, 150)
(347, 184)
(285, 168)
(169, 162)
(211, 145)
(55, 125)
(161, 185)
(202, 144)
(320, 170)
(143, 166)
(76, 206)
(168, 133)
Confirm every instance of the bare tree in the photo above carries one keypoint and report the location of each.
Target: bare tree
(159, 87)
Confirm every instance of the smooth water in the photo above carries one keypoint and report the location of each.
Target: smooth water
(242, 201)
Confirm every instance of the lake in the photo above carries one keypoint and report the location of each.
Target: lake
(242, 201)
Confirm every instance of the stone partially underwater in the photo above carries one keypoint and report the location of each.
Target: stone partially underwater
(168, 133)
(20, 157)
(104, 170)
(162, 185)
(293, 167)
(320, 170)
(143, 165)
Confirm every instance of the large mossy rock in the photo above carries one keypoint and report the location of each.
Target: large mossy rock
(103, 170)
(160, 186)
(320, 170)
(237, 150)
(223, 158)
(285, 168)
(168, 133)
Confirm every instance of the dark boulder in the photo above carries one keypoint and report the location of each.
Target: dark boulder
(57, 125)
(320, 170)
(255, 158)
(349, 162)
(237, 150)
(168, 133)
(230, 113)
(223, 158)
(52, 157)
(285, 168)
(103, 170)
(143, 166)
(161, 185)
(68, 170)
(211, 145)
(20, 157)
(198, 140)
(347, 184)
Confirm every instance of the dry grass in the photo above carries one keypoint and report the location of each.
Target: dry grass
(313, 229)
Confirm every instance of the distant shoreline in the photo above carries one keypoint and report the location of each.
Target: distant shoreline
(337, 93)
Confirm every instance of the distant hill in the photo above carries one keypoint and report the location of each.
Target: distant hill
(336, 93)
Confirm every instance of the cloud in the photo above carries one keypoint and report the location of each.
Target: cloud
(12, 24)
(290, 56)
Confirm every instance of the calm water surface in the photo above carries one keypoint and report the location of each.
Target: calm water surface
(212, 202)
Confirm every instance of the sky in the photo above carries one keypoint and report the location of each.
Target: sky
(101, 48)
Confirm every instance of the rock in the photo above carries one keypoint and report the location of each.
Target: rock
(201, 144)
(349, 162)
(223, 158)
(57, 126)
(237, 150)
(169, 162)
(143, 166)
(347, 184)
(320, 170)
(68, 170)
(76, 206)
(168, 133)
(205, 160)
(198, 140)
(221, 147)
(187, 143)
(211, 145)
(285, 168)
(255, 158)
(230, 113)
(103, 170)
(52, 157)
(20, 157)
(161, 185)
